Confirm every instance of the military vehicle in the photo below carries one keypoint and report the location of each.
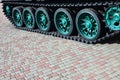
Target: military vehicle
(88, 21)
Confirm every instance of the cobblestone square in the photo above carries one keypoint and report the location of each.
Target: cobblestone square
(33, 56)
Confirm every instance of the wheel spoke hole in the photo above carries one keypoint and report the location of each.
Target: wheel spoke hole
(116, 23)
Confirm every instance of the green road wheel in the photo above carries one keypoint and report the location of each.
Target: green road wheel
(42, 19)
(17, 16)
(7, 10)
(28, 17)
(88, 24)
(112, 18)
(63, 21)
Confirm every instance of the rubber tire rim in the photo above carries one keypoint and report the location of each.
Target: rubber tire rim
(66, 12)
(31, 15)
(46, 16)
(94, 14)
(7, 10)
(20, 15)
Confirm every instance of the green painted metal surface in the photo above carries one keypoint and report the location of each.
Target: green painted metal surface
(7, 10)
(63, 23)
(17, 17)
(87, 25)
(112, 18)
(28, 19)
(42, 20)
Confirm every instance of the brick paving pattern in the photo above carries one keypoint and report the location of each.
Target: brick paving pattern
(32, 56)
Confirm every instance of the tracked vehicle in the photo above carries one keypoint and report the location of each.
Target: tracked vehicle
(88, 21)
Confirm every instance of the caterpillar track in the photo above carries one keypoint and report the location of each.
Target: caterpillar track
(88, 22)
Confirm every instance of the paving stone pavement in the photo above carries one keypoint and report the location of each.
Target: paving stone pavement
(32, 56)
